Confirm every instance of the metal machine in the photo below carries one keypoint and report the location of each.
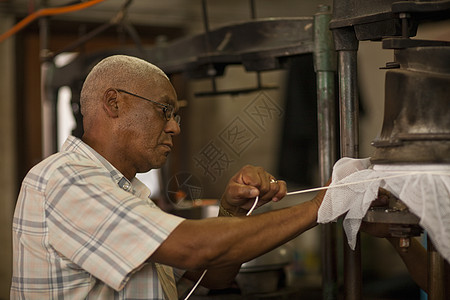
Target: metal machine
(416, 127)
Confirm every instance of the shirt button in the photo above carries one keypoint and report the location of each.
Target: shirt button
(126, 186)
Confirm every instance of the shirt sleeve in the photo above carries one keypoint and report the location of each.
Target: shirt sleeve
(105, 230)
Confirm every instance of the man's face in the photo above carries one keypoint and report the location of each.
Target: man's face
(147, 135)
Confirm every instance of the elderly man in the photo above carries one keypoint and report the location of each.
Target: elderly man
(84, 226)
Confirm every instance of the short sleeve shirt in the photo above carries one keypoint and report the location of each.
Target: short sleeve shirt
(81, 230)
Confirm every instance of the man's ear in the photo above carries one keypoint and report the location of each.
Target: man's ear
(110, 103)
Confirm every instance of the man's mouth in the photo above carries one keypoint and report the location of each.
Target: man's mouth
(168, 145)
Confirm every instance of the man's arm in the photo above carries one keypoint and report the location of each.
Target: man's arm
(222, 244)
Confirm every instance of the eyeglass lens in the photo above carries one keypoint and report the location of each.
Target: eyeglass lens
(169, 114)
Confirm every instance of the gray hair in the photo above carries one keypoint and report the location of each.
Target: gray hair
(117, 71)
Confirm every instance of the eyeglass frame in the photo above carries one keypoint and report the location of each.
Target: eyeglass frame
(168, 109)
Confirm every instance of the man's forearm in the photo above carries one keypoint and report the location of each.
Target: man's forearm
(229, 241)
(298, 218)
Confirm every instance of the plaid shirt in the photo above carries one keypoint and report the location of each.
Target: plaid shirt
(81, 230)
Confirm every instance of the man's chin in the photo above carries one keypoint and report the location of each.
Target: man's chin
(156, 165)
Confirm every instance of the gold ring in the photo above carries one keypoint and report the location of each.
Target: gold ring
(273, 180)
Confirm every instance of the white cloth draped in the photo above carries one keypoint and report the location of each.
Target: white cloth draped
(424, 188)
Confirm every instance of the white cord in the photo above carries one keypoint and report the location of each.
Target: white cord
(204, 272)
(195, 285)
(253, 206)
(364, 181)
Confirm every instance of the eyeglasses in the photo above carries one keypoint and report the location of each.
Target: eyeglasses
(168, 110)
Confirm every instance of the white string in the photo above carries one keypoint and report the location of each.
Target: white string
(253, 206)
(195, 285)
(364, 181)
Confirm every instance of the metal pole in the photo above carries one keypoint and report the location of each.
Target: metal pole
(252, 9)
(348, 88)
(211, 70)
(325, 67)
(48, 110)
(347, 46)
(349, 148)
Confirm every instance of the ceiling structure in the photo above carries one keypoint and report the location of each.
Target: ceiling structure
(187, 14)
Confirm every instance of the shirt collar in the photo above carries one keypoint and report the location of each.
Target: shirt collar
(134, 186)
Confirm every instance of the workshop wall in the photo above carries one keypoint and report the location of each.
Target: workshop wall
(8, 156)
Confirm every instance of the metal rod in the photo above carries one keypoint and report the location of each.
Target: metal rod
(211, 69)
(348, 89)
(349, 147)
(253, 17)
(352, 271)
(258, 80)
(205, 18)
(252, 9)
(325, 67)
(48, 107)
(404, 18)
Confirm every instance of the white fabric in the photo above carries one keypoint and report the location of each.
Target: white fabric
(424, 188)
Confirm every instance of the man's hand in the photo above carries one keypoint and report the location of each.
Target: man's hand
(246, 185)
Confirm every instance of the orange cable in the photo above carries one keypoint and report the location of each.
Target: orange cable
(46, 12)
